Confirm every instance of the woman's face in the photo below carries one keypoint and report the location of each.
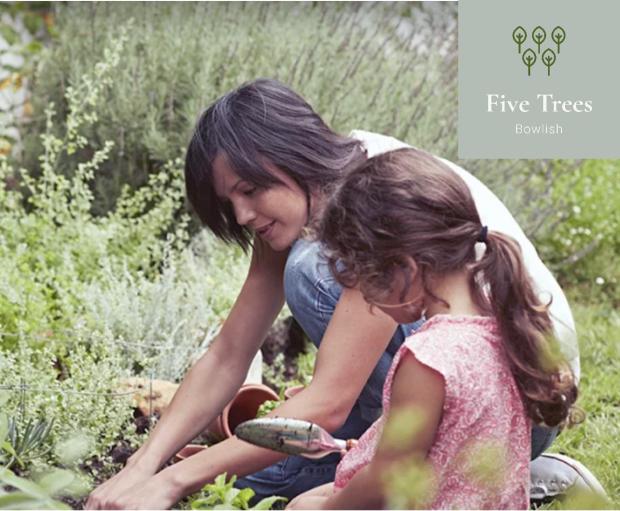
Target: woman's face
(276, 214)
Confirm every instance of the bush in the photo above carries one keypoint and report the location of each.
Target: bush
(51, 244)
(389, 68)
(78, 292)
(581, 240)
(360, 65)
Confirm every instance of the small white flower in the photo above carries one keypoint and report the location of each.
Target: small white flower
(600, 281)
(576, 210)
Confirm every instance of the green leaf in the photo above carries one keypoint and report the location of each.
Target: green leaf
(34, 47)
(230, 495)
(5, 395)
(18, 500)
(32, 489)
(9, 34)
(243, 498)
(56, 481)
(4, 428)
(33, 22)
(268, 502)
(6, 446)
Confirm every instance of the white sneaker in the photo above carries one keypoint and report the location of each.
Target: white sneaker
(553, 475)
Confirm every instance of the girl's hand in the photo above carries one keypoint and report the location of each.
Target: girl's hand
(304, 501)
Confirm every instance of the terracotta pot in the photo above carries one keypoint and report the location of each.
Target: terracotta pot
(189, 450)
(242, 408)
(293, 391)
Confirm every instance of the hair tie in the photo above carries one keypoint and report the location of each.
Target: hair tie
(482, 237)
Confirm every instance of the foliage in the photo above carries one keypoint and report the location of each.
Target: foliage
(22, 442)
(223, 495)
(267, 407)
(27, 494)
(360, 66)
(276, 373)
(389, 68)
(594, 443)
(581, 239)
(165, 323)
(20, 493)
(55, 242)
(84, 400)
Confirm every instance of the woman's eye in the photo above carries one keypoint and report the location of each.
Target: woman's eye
(250, 191)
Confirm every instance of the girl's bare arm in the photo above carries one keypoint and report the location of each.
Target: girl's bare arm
(418, 394)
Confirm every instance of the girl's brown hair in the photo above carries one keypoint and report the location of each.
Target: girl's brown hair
(408, 203)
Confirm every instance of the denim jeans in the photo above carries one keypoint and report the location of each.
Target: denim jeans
(312, 294)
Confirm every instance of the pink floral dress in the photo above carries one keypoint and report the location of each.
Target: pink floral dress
(481, 452)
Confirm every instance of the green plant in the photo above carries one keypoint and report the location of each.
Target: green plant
(580, 236)
(21, 493)
(32, 437)
(267, 407)
(26, 494)
(51, 245)
(223, 495)
(360, 66)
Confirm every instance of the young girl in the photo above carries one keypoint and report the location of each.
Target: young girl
(259, 168)
(404, 230)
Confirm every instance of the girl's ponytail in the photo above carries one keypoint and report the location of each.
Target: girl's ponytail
(408, 203)
(541, 372)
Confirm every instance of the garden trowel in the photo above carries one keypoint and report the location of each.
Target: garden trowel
(292, 436)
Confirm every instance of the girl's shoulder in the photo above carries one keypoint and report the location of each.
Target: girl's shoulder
(460, 346)
(449, 330)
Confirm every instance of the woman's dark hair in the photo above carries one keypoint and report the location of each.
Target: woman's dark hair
(406, 203)
(262, 122)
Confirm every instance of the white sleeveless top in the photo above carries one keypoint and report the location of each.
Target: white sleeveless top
(496, 216)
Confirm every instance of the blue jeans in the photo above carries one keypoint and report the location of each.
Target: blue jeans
(312, 294)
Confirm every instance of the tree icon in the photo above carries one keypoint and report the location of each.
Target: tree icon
(559, 36)
(518, 36)
(548, 58)
(539, 35)
(529, 58)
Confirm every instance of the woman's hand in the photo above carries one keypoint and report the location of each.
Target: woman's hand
(131, 489)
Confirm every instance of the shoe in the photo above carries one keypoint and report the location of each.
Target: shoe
(554, 475)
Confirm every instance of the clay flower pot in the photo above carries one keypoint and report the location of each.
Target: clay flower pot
(189, 450)
(293, 391)
(242, 408)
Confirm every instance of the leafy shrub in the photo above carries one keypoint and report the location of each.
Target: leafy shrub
(61, 266)
(360, 65)
(81, 400)
(388, 68)
(582, 238)
(51, 244)
(166, 322)
(223, 495)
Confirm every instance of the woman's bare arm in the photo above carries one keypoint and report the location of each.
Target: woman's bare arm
(213, 381)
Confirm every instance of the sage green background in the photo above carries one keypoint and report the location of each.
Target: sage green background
(587, 68)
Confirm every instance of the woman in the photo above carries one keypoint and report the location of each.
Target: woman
(258, 169)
